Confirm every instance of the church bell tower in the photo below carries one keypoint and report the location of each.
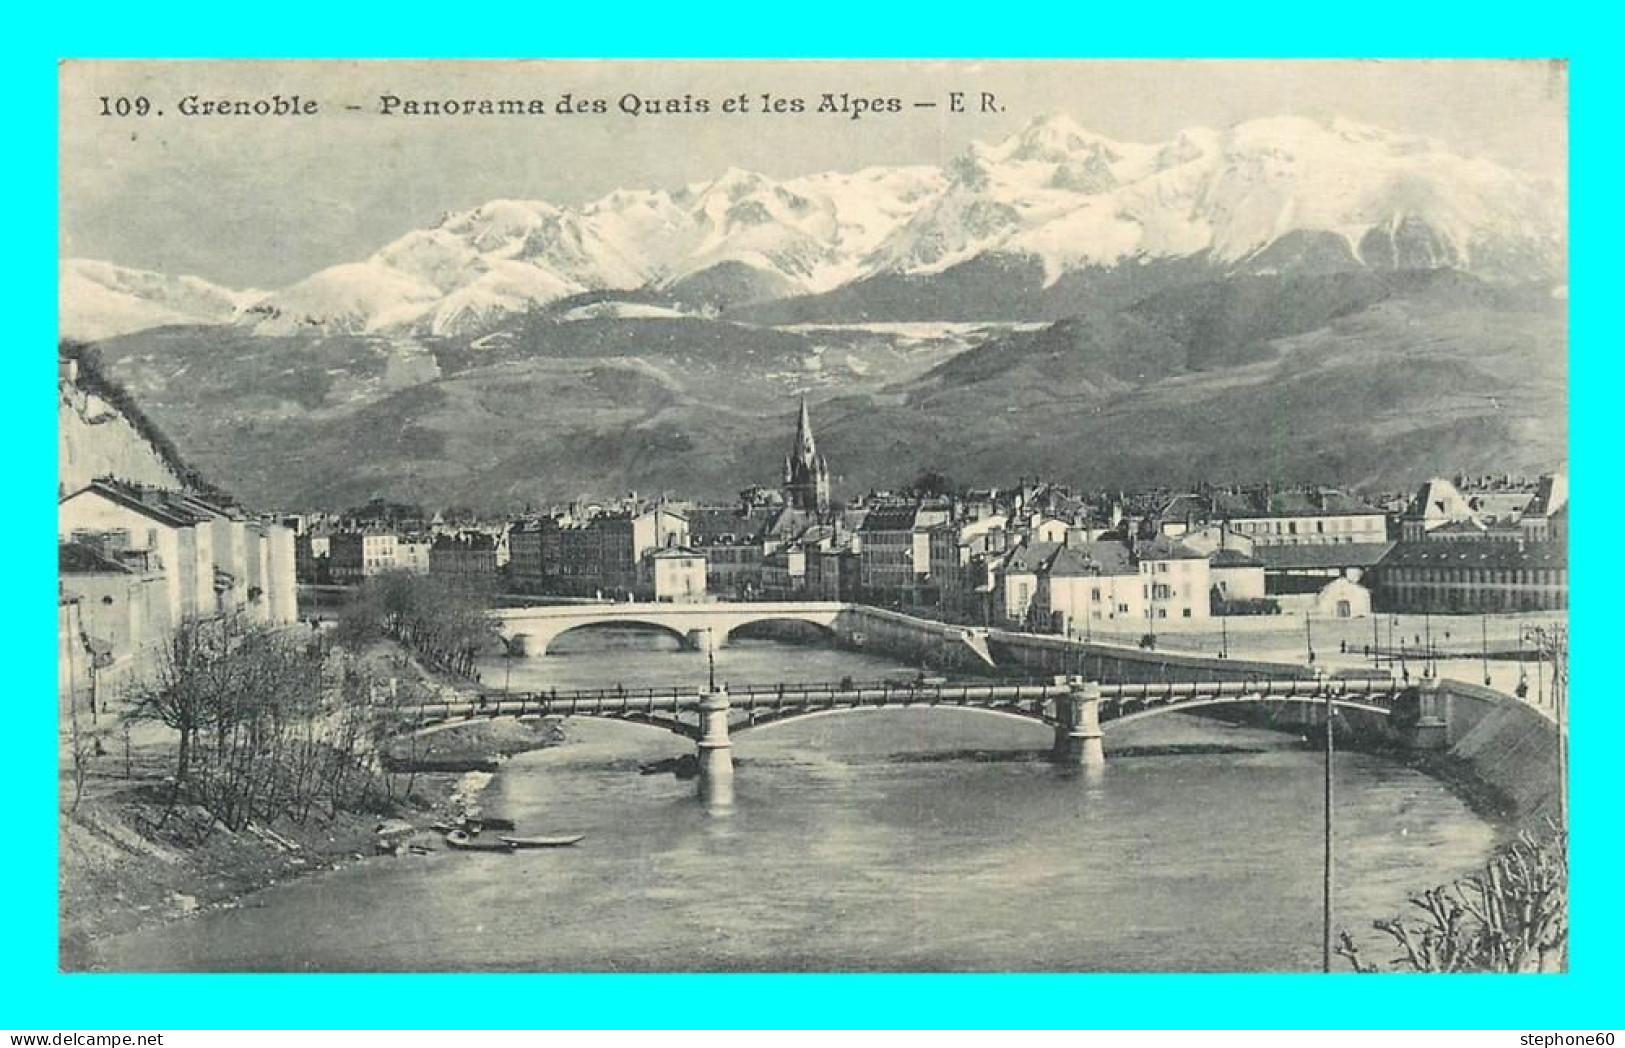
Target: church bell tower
(806, 474)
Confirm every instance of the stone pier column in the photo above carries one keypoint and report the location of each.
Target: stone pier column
(519, 645)
(701, 640)
(1078, 738)
(715, 751)
(1432, 731)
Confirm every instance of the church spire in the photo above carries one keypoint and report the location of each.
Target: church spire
(805, 450)
(806, 474)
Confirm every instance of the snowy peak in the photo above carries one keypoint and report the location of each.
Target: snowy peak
(1248, 196)
(101, 300)
(1054, 139)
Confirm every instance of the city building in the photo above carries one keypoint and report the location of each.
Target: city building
(123, 604)
(112, 517)
(677, 573)
(894, 549)
(1177, 578)
(355, 556)
(412, 554)
(1336, 597)
(469, 556)
(1312, 516)
(1509, 512)
(1473, 576)
(1352, 561)
(1237, 579)
(1089, 584)
(205, 559)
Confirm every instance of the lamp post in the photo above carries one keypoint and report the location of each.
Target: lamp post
(1553, 642)
(1427, 645)
(1326, 863)
(1308, 638)
(710, 661)
(1484, 645)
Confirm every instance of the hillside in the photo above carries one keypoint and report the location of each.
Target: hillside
(102, 432)
(547, 408)
(1366, 378)
(1282, 299)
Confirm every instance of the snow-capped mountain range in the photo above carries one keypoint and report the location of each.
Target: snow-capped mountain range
(1053, 191)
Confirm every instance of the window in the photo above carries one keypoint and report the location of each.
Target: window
(1162, 613)
(1094, 594)
(1187, 613)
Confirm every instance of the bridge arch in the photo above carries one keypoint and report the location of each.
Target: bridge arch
(455, 716)
(823, 629)
(629, 622)
(768, 718)
(1108, 716)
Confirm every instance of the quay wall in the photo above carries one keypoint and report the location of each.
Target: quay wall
(923, 642)
(1495, 745)
(1506, 743)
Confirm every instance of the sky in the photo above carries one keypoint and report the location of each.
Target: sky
(264, 201)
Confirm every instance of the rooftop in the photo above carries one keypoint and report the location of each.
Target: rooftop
(74, 558)
(1333, 555)
(1225, 557)
(1469, 554)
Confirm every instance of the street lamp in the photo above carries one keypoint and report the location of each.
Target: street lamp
(1427, 645)
(1553, 642)
(1326, 863)
(710, 661)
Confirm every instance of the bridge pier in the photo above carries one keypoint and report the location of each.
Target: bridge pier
(700, 640)
(1078, 738)
(1432, 731)
(519, 645)
(715, 751)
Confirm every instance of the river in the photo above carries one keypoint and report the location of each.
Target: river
(921, 840)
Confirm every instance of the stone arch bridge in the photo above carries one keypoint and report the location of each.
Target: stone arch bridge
(702, 626)
(530, 631)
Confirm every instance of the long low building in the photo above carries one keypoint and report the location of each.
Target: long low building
(1473, 576)
(1350, 560)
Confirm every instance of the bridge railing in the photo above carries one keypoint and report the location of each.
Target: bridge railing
(840, 694)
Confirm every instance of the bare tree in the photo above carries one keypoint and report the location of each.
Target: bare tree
(1512, 917)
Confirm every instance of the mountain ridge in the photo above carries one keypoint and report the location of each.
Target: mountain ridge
(1248, 198)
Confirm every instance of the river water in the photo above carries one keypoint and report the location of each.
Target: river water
(923, 840)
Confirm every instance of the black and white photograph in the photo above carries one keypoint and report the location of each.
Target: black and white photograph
(813, 516)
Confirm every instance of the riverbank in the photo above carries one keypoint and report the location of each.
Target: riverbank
(128, 858)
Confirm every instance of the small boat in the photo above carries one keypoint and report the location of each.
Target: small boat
(463, 842)
(542, 842)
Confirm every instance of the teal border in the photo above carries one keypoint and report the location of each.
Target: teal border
(33, 995)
